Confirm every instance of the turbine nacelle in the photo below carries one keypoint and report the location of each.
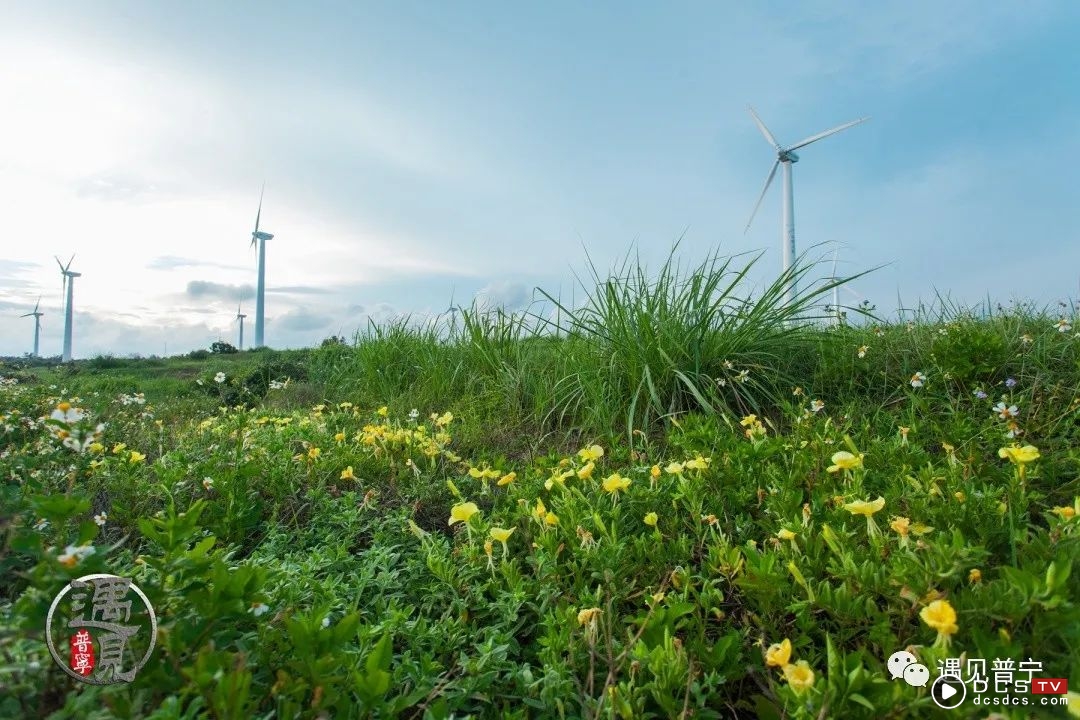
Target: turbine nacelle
(259, 235)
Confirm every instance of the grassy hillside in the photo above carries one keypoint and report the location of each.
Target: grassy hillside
(680, 504)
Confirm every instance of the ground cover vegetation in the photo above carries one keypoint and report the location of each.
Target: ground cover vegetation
(670, 502)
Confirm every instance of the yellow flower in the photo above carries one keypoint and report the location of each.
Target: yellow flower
(901, 525)
(960, 496)
(785, 534)
(1019, 455)
(650, 519)
(501, 534)
(118, 448)
(507, 479)
(444, 419)
(462, 512)
(593, 452)
(778, 654)
(1072, 700)
(975, 575)
(921, 529)
(588, 615)
(339, 437)
(313, 452)
(698, 463)
(941, 616)
(1065, 512)
(748, 421)
(540, 510)
(382, 412)
(347, 473)
(586, 472)
(96, 448)
(557, 478)
(675, 468)
(799, 676)
(865, 507)
(654, 472)
(844, 460)
(136, 457)
(551, 518)
(615, 483)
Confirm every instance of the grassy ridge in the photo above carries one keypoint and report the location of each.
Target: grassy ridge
(684, 533)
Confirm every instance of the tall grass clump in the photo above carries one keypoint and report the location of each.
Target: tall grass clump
(683, 341)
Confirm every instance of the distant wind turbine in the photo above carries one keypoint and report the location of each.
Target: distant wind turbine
(261, 237)
(787, 157)
(69, 282)
(240, 316)
(37, 325)
(836, 288)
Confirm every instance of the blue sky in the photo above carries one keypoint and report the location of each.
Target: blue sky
(416, 150)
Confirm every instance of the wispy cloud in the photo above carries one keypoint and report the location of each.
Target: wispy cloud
(219, 291)
(173, 262)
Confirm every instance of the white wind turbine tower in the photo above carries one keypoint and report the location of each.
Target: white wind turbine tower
(69, 282)
(37, 325)
(240, 316)
(787, 157)
(261, 237)
(836, 289)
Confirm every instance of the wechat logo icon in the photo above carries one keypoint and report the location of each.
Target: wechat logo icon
(903, 665)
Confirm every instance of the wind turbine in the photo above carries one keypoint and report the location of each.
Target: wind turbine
(261, 237)
(836, 288)
(240, 316)
(69, 282)
(37, 325)
(787, 157)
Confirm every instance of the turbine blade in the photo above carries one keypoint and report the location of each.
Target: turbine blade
(37, 304)
(259, 213)
(768, 181)
(59, 263)
(827, 133)
(834, 259)
(69, 262)
(764, 130)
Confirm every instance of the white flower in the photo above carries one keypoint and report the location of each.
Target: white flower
(41, 524)
(258, 609)
(413, 414)
(198, 381)
(326, 621)
(862, 350)
(816, 405)
(743, 376)
(208, 483)
(1025, 339)
(917, 380)
(1004, 412)
(70, 416)
(73, 554)
(1063, 326)
(219, 378)
(277, 385)
(100, 519)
